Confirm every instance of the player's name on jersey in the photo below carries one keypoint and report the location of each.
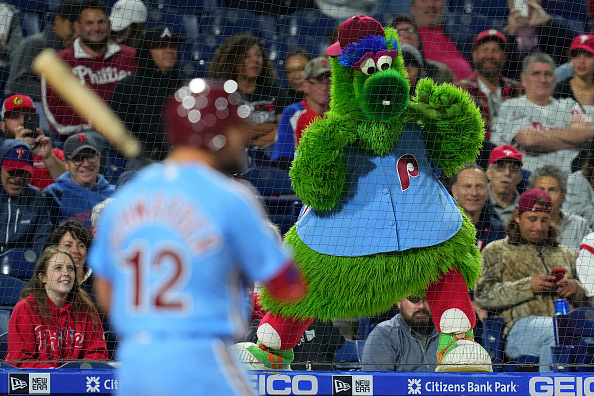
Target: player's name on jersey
(167, 211)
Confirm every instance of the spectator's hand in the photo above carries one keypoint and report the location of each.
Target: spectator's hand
(537, 16)
(42, 146)
(567, 287)
(543, 284)
(515, 20)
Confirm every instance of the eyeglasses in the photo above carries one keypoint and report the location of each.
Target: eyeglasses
(78, 160)
(415, 300)
(501, 166)
(407, 30)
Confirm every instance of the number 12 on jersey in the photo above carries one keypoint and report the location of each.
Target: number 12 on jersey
(157, 276)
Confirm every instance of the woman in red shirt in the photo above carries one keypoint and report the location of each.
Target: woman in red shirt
(55, 321)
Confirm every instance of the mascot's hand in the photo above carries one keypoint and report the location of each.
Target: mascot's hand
(454, 125)
(319, 170)
(435, 103)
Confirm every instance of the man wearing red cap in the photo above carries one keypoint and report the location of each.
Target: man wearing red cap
(487, 86)
(504, 173)
(516, 280)
(580, 87)
(24, 210)
(48, 165)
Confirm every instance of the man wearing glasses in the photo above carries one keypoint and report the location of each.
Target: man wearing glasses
(77, 191)
(47, 162)
(504, 173)
(407, 342)
(547, 131)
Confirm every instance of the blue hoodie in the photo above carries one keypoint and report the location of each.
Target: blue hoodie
(24, 219)
(74, 202)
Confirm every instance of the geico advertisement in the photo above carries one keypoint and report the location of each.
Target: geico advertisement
(281, 384)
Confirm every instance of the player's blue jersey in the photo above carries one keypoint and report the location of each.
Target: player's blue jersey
(175, 244)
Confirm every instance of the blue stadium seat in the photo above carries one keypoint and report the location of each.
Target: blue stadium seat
(168, 17)
(308, 23)
(30, 22)
(462, 28)
(196, 54)
(384, 10)
(4, 318)
(348, 356)
(314, 44)
(575, 337)
(10, 290)
(19, 263)
(494, 344)
(571, 9)
(226, 22)
(269, 181)
(284, 212)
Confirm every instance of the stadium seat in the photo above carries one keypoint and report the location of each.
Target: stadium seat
(308, 23)
(348, 356)
(226, 22)
(4, 318)
(30, 22)
(316, 45)
(575, 338)
(269, 181)
(284, 212)
(576, 10)
(494, 344)
(168, 17)
(463, 27)
(384, 10)
(19, 263)
(195, 55)
(10, 291)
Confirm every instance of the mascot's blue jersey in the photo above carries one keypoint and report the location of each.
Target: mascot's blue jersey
(392, 203)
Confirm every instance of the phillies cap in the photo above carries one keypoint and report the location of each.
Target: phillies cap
(489, 34)
(126, 12)
(505, 152)
(17, 101)
(76, 143)
(16, 154)
(316, 66)
(535, 200)
(583, 41)
(353, 30)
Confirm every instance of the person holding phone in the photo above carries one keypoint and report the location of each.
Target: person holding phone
(523, 275)
(20, 121)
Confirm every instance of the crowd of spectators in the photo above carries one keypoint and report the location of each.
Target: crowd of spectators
(538, 134)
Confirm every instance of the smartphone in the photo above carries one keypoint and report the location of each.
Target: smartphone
(31, 122)
(558, 273)
(523, 7)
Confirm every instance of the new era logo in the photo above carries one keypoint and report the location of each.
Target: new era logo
(340, 386)
(18, 384)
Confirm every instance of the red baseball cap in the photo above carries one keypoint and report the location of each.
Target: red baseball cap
(17, 101)
(353, 30)
(488, 34)
(505, 152)
(535, 200)
(583, 41)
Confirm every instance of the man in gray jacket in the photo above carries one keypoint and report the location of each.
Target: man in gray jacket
(407, 342)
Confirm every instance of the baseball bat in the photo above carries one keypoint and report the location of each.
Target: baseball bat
(85, 102)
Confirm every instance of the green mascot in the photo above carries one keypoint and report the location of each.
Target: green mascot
(378, 226)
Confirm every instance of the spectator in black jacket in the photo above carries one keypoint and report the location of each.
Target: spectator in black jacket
(139, 98)
(24, 210)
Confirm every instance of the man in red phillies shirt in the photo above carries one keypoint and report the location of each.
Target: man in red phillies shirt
(97, 61)
(48, 163)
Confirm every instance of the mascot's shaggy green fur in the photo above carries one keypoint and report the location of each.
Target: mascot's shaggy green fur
(368, 113)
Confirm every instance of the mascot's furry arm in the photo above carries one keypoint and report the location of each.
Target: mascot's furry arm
(321, 176)
(453, 122)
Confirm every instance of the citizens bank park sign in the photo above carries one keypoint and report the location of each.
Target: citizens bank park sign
(376, 383)
(60, 381)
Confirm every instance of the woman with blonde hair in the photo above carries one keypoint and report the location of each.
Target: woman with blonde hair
(55, 321)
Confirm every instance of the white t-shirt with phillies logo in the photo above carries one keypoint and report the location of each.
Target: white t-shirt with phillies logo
(519, 113)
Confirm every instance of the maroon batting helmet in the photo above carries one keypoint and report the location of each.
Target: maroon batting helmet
(198, 112)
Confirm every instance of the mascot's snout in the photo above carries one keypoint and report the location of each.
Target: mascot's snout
(385, 95)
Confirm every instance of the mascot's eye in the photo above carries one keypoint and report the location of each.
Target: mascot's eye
(384, 62)
(368, 66)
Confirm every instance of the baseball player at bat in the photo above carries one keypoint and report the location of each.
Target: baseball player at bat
(173, 248)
